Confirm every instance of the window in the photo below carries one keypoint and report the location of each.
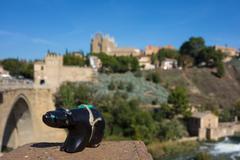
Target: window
(42, 82)
(42, 68)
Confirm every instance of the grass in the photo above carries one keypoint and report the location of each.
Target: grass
(166, 150)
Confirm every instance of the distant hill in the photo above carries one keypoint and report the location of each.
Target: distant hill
(204, 87)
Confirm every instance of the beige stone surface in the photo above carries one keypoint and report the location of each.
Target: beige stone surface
(51, 73)
(37, 102)
(123, 150)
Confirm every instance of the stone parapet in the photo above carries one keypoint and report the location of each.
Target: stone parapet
(122, 150)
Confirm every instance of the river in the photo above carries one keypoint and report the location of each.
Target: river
(226, 149)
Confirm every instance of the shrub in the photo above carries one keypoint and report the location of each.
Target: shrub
(111, 86)
(153, 76)
(130, 87)
(226, 115)
(127, 119)
(121, 85)
(203, 156)
(138, 74)
(154, 102)
(171, 130)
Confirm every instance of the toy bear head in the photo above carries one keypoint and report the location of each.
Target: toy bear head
(57, 119)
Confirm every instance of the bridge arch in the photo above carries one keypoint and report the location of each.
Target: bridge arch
(18, 128)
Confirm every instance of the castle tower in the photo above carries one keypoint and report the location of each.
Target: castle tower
(102, 43)
(48, 69)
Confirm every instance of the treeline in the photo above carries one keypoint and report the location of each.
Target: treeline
(17, 67)
(75, 59)
(193, 52)
(125, 119)
(117, 64)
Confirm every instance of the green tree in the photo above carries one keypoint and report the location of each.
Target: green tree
(154, 59)
(167, 53)
(70, 59)
(193, 47)
(185, 61)
(211, 56)
(126, 118)
(71, 95)
(220, 69)
(18, 67)
(119, 64)
(65, 95)
(178, 100)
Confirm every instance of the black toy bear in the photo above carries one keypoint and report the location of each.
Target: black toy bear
(85, 124)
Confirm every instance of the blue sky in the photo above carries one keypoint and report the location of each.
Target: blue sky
(28, 28)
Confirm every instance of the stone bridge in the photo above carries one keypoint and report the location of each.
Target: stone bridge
(21, 111)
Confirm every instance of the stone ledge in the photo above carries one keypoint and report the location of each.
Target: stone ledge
(109, 150)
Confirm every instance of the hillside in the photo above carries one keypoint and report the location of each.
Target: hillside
(204, 87)
(143, 90)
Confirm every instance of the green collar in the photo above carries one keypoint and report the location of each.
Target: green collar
(85, 106)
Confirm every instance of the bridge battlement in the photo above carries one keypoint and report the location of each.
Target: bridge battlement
(7, 84)
(21, 113)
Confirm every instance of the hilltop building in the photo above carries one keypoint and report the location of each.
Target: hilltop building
(150, 49)
(229, 53)
(145, 63)
(169, 63)
(52, 73)
(106, 44)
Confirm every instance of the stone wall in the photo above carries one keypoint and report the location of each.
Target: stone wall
(51, 73)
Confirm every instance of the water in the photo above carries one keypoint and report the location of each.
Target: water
(226, 149)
